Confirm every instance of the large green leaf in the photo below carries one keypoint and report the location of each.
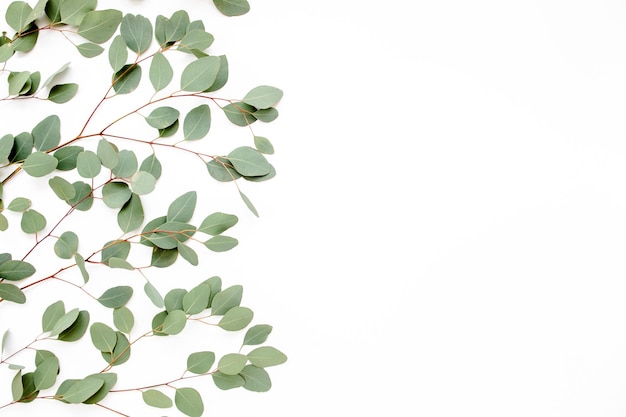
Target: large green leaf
(137, 32)
(116, 297)
(226, 299)
(82, 390)
(189, 402)
(155, 398)
(263, 97)
(195, 40)
(32, 222)
(265, 356)
(161, 72)
(176, 26)
(257, 334)
(39, 164)
(175, 322)
(197, 122)
(257, 379)
(66, 245)
(249, 162)
(118, 53)
(62, 93)
(51, 315)
(200, 74)
(232, 363)
(232, 7)
(77, 329)
(237, 318)
(162, 117)
(19, 15)
(221, 243)
(88, 164)
(196, 300)
(200, 362)
(240, 114)
(103, 337)
(72, 12)
(131, 214)
(127, 79)
(182, 208)
(12, 293)
(98, 26)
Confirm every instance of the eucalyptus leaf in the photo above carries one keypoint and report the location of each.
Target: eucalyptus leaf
(182, 208)
(189, 402)
(62, 188)
(197, 122)
(200, 74)
(161, 72)
(265, 356)
(123, 319)
(137, 32)
(257, 334)
(127, 79)
(232, 363)
(66, 245)
(232, 7)
(12, 293)
(256, 379)
(130, 216)
(99, 25)
(237, 318)
(89, 50)
(118, 53)
(226, 299)
(116, 297)
(155, 398)
(32, 222)
(39, 164)
(263, 97)
(62, 93)
(200, 362)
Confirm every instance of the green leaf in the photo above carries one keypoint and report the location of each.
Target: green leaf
(217, 223)
(109, 380)
(221, 243)
(162, 258)
(27, 43)
(174, 299)
(62, 93)
(182, 208)
(116, 194)
(89, 50)
(19, 204)
(121, 353)
(232, 363)
(257, 379)
(15, 270)
(6, 144)
(56, 73)
(240, 114)
(23, 146)
(176, 26)
(6, 52)
(29, 393)
(66, 245)
(170, 130)
(237, 318)
(174, 322)
(118, 53)
(151, 165)
(196, 300)
(72, 12)
(127, 164)
(168, 235)
(123, 319)
(116, 297)
(197, 123)
(156, 399)
(64, 322)
(83, 198)
(226, 382)
(131, 214)
(249, 204)
(52, 315)
(98, 26)
(80, 262)
(4, 223)
(265, 356)
(108, 154)
(12, 293)
(46, 373)
(153, 294)
(257, 334)
(249, 162)
(115, 249)
(137, 32)
(127, 79)
(263, 145)
(19, 15)
(266, 115)
(188, 254)
(161, 72)
(143, 183)
(62, 188)
(196, 39)
(199, 75)
(82, 390)
(200, 362)
(263, 97)
(103, 337)
(226, 299)
(77, 329)
(162, 117)
(232, 7)
(39, 164)
(88, 164)
(189, 402)
(17, 82)
(17, 389)
(67, 157)
(32, 222)
(222, 170)
(35, 79)
(120, 264)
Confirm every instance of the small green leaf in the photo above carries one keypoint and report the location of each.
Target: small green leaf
(39, 164)
(196, 300)
(4, 223)
(62, 188)
(88, 164)
(249, 162)
(197, 122)
(67, 157)
(196, 39)
(98, 26)
(116, 194)
(176, 26)
(6, 144)
(163, 258)
(123, 319)
(143, 183)
(188, 254)
(18, 82)
(6, 52)
(22, 147)
(152, 165)
(137, 32)
(17, 388)
(64, 322)
(116, 297)
(265, 356)
(161, 72)
(170, 234)
(257, 379)
(115, 249)
(19, 204)
(266, 115)
(263, 145)
(72, 12)
(108, 154)
(46, 373)
(80, 262)
(182, 208)
(103, 337)
(240, 114)
(118, 53)
(83, 198)
(62, 93)
(199, 75)
(127, 79)
(232, 363)
(217, 223)
(66, 245)
(32, 222)
(89, 50)
(19, 15)
(109, 380)
(249, 204)
(153, 294)
(174, 299)
(222, 75)
(156, 399)
(55, 74)
(257, 334)
(221, 243)
(200, 362)
(127, 164)
(226, 299)
(77, 329)
(15, 270)
(26, 43)
(237, 318)
(131, 214)
(232, 7)
(263, 97)
(226, 382)
(174, 322)
(82, 390)
(222, 170)
(121, 353)
(12, 293)
(162, 117)
(52, 315)
(120, 264)
(189, 402)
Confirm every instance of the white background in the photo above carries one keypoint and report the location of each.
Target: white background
(446, 233)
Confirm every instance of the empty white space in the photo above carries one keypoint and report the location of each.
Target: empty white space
(446, 233)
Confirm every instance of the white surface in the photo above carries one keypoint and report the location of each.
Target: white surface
(445, 235)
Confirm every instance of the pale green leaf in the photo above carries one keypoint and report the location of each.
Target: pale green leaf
(88, 164)
(32, 222)
(82, 390)
(174, 322)
(66, 245)
(115, 249)
(19, 15)
(257, 334)
(127, 79)
(131, 216)
(56, 73)
(118, 53)
(19, 204)
(62, 93)
(143, 183)
(47, 133)
(72, 12)
(116, 194)
(196, 39)
(137, 32)
(196, 300)
(12, 293)
(249, 204)
(256, 379)
(17, 388)
(6, 145)
(39, 164)
(89, 50)
(161, 72)
(174, 299)
(237, 318)
(176, 26)
(221, 243)
(162, 117)
(152, 165)
(98, 26)
(189, 402)
(240, 114)
(263, 145)
(182, 208)
(64, 322)
(217, 223)
(108, 154)
(232, 7)
(80, 262)
(153, 294)
(263, 97)
(123, 319)
(197, 122)
(155, 398)
(232, 363)
(265, 356)
(16, 270)
(62, 188)
(227, 382)
(226, 299)
(52, 315)
(77, 329)
(200, 362)
(199, 75)
(116, 297)
(249, 162)
(188, 254)
(46, 373)
(103, 337)
(127, 164)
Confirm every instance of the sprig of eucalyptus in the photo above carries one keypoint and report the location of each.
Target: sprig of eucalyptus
(92, 168)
